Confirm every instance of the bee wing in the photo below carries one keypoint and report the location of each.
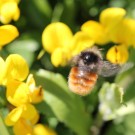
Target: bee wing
(126, 67)
(109, 69)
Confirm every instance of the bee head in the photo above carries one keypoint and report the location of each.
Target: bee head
(89, 58)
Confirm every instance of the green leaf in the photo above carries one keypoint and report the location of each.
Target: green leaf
(3, 100)
(66, 106)
(4, 130)
(127, 81)
(38, 13)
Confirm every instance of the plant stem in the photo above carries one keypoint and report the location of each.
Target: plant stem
(97, 125)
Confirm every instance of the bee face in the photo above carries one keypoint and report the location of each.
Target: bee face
(87, 66)
(89, 58)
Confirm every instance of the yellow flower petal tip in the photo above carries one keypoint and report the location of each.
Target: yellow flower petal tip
(9, 11)
(118, 54)
(112, 15)
(96, 31)
(7, 34)
(57, 57)
(56, 35)
(39, 129)
(36, 93)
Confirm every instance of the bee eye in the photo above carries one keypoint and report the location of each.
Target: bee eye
(89, 57)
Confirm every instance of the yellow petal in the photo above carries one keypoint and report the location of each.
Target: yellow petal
(6, 1)
(124, 32)
(95, 31)
(13, 116)
(29, 112)
(17, 68)
(60, 56)
(30, 81)
(112, 16)
(17, 93)
(118, 54)
(36, 94)
(2, 69)
(22, 127)
(56, 35)
(35, 119)
(39, 129)
(81, 41)
(7, 34)
(57, 57)
(9, 11)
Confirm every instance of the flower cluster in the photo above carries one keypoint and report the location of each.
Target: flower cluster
(20, 94)
(8, 11)
(21, 89)
(112, 27)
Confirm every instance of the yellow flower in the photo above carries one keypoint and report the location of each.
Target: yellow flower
(56, 35)
(113, 27)
(9, 11)
(7, 34)
(118, 54)
(79, 42)
(35, 93)
(17, 93)
(39, 129)
(16, 68)
(56, 39)
(25, 111)
(22, 117)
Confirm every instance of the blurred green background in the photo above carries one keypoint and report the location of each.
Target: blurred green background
(67, 113)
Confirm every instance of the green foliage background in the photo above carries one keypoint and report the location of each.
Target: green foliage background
(65, 112)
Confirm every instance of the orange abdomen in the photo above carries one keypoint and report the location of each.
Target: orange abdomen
(81, 82)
